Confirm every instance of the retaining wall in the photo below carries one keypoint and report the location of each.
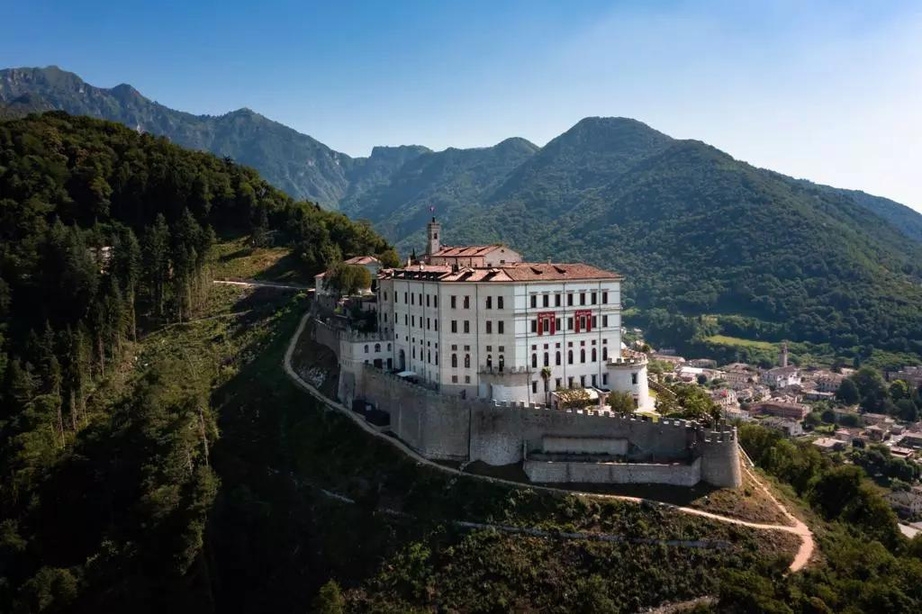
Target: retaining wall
(613, 473)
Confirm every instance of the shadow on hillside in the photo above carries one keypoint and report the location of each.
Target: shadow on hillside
(288, 268)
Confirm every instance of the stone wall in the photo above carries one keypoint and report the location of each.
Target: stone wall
(678, 474)
(447, 427)
(327, 335)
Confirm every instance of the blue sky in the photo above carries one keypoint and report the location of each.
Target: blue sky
(826, 90)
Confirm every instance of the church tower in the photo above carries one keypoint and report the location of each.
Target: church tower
(784, 354)
(433, 230)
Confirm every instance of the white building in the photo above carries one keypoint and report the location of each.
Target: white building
(479, 322)
(782, 377)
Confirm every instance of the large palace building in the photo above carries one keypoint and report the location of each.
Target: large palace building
(479, 323)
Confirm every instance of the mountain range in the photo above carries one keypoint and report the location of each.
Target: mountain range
(695, 231)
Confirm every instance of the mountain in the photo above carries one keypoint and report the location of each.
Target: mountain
(700, 233)
(293, 162)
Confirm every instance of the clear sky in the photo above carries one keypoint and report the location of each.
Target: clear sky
(826, 90)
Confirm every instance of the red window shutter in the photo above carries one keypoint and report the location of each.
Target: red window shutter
(540, 322)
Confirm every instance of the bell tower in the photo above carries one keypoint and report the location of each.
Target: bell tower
(433, 230)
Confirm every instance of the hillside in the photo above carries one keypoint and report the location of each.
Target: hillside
(301, 166)
(695, 231)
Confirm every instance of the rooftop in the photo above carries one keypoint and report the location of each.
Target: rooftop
(466, 251)
(510, 272)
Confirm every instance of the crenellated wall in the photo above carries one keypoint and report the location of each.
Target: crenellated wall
(447, 427)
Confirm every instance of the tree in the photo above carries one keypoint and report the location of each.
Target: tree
(330, 599)
(899, 389)
(847, 392)
(622, 403)
(871, 389)
(348, 279)
(702, 379)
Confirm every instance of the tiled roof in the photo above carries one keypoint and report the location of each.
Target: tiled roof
(466, 251)
(511, 272)
(363, 260)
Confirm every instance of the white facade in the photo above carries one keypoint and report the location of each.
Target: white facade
(485, 332)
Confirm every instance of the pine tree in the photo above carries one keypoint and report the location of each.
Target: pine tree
(157, 261)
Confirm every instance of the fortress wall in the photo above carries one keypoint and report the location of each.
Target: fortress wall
(436, 426)
(327, 335)
(678, 474)
(720, 462)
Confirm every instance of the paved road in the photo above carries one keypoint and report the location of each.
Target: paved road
(799, 528)
(251, 283)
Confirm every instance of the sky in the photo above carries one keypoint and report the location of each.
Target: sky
(827, 90)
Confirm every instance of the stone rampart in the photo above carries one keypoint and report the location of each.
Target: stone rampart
(676, 474)
(448, 427)
(327, 335)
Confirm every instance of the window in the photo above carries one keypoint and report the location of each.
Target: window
(502, 362)
(593, 355)
(534, 361)
(366, 349)
(569, 323)
(454, 300)
(582, 323)
(467, 379)
(534, 326)
(557, 359)
(412, 320)
(414, 352)
(593, 380)
(570, 382)
(428, 323)
(569, 299)
(534, 387)
(633, 379)
(604, 321)
(499, 302)
(557, 324)
(582, 355)
(489, 302)
(499, 327)
(582, 298)
(547, 359)
(420, 299)
(412, 299)
(605, 379)
(427, 300)
(377, 347)
(604, 352)
(454, 326)
(557, 299)
(435, 324)
(467, 348)
(605, 298)
(489, 362)
(467, 361)
(435, 300)
(429, 356)
(569, 357)
(489, 348)
(454, 361)
(388, 347)
(454, 379)
(534, 301)
(467, 326)
(436, 358)
(546, 300)
(595, 322)
(582, 381)
(405, 299)
(385, 296)
(406, 319)
(557, 383)
(592, 298)
(489, 327)
(467, 302)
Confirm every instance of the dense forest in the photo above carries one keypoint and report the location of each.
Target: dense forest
(106, 237)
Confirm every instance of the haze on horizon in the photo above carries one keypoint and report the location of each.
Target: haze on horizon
(828, 90)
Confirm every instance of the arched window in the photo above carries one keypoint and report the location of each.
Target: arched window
(467, 361)
(388, 347)
(604, 352)
(582, 355)
(414, 352)
(557, 359)
(429, 356)
(502, 362)
(534, 361)
(593, 355)
(569, 357)
(489, 362)
(377, 347)
(454, 360)
(366, 349)
(547, 359)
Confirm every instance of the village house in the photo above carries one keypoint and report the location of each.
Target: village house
(828, 444)
(911, 375)
(780, 409)
(790, 428)
(906, 503)
(782, 377)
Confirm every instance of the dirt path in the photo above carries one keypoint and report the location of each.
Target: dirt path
(799, 528)
(249, 283)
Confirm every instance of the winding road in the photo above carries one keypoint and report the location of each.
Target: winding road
(804, 553)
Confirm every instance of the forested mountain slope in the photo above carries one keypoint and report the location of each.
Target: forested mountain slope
(106, 238)
(294, 162)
